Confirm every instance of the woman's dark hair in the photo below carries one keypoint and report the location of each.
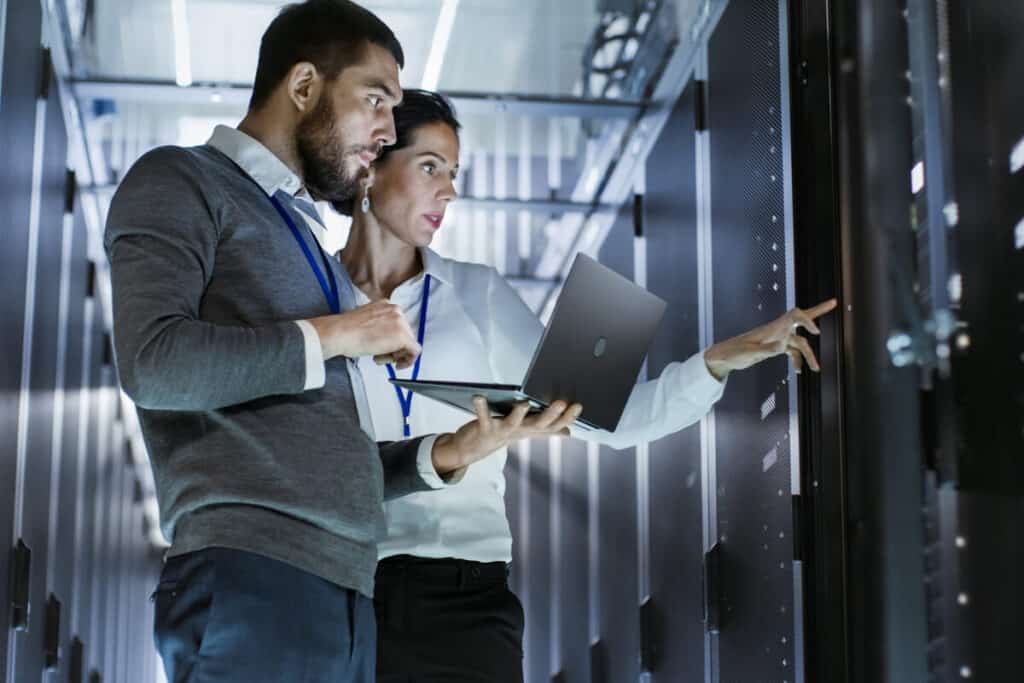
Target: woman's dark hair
(419, 108)
(330, 34)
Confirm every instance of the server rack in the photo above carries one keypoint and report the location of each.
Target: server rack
(77, 562)
(716, 219)
(897, 494)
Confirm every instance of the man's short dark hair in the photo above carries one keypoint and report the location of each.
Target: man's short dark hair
(330, 34)
(419, 108)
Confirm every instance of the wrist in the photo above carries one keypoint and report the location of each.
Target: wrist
(323, 333)
(716, 361)
(446, 455)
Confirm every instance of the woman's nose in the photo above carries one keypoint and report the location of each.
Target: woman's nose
(448, 192)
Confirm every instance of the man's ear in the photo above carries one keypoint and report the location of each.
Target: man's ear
(305, 85)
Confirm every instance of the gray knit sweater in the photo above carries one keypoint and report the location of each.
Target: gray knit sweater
(207, 281)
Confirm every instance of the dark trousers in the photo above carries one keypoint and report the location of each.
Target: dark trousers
(447, 621)
(226, 616)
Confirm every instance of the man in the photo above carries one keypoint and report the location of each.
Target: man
(235, 336)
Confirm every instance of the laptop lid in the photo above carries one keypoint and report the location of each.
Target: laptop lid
(595, 343)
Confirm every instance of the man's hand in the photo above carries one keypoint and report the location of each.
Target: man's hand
(378, 329)
(478, 439)
(774, 339)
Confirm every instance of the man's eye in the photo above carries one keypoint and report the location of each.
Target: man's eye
(429, 168)
(375, 101)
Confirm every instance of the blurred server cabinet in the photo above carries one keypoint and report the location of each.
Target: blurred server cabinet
(969, 221)
(77, 566)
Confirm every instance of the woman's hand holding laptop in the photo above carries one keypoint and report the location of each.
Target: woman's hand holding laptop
(475, 440)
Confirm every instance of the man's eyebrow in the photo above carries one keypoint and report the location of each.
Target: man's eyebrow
(381, 85)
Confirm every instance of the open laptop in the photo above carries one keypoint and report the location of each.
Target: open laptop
(591, 352)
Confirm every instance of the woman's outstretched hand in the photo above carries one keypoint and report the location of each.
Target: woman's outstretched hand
(767, 341)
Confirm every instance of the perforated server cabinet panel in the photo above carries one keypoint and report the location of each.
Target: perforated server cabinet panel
(35, 429)
(514, 512)
(617, 516)
(73, 443)
(570, 563)
(113, 472)
(750, 266)
(17, 128)
(39, 439)
(670, 227)
(536, 567)
(91, 553)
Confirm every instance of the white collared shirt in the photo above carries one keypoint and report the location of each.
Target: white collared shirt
(272, 175)
(479, 330)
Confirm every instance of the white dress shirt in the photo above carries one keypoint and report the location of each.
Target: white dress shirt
(273, 175)
(479, 330)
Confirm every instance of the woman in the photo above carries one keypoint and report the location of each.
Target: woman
(444, 609)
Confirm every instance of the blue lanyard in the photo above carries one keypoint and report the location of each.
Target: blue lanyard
(331, 290)
(405, 400)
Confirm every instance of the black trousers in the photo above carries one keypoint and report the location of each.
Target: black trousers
(447, 621)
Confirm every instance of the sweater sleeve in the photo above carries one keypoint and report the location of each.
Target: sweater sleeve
(161, 238)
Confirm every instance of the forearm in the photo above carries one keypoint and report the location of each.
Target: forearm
(168, 357)
(716, 359)
(194, 365)
(408, 467)
(447, 457)
(679, 397)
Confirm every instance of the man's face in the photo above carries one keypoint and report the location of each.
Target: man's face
(352, 120)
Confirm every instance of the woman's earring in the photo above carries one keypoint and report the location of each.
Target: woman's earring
(365, 204)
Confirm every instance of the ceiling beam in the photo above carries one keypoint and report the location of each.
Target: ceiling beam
(541, 206)
(554, 207)
(237, 94)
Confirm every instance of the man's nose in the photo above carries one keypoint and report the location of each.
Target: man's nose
(385, 133)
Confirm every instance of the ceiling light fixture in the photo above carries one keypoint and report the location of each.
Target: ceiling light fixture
(182, 58)
(439, 45)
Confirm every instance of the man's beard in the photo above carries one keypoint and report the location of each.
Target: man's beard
(323, 154)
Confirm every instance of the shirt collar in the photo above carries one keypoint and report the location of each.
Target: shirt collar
(262, 165)
(435, 265)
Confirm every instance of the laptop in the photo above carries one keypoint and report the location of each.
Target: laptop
(591, 352)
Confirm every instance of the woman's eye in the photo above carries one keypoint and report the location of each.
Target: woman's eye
(429, 168)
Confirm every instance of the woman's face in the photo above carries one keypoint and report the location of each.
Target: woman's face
(412, 186)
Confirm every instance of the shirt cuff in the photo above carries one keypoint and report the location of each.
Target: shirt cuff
(316, 373)
(425, 465)
(698, 379)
